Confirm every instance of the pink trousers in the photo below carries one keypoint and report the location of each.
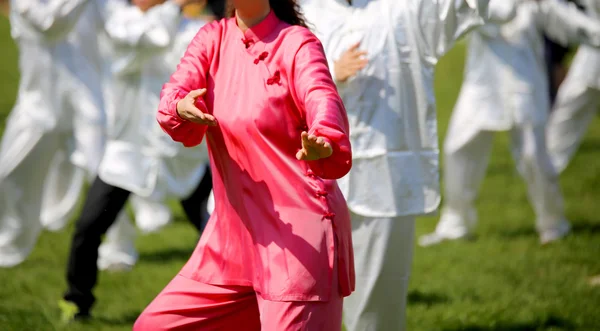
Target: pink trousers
(186, 305)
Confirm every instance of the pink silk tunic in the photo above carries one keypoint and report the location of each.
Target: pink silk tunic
(279, 224)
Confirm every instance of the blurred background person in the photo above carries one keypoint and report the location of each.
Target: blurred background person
(577, 101)
(506, 89)
(144, 40)
(383, 54)
(59, 89)
(47, 156)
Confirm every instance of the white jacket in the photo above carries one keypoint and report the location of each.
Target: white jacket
(586, 63)
(390, 103)
(505, 81)
(144, 49)
(47, 63)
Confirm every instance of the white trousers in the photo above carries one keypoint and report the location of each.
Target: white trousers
(465, 167)
(40, 187)
(383, 251)
(574, 109)
(64, 186)
(21, 190)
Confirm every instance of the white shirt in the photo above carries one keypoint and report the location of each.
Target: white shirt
(46, 64)
(586, 63)
(390, 103)
(144, 50)
(505, 81)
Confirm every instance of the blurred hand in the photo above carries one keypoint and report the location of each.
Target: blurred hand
(349, 63)
(313, 148)
(186, 108)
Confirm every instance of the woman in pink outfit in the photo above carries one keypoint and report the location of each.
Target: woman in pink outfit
(277, 252)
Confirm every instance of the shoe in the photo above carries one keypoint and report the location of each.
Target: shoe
(116, 267)
(70, 312)
(435, 238)
(552, 235)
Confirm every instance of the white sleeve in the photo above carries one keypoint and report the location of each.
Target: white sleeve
(51, 18)
(440, 23)
(565, 24)
(127, 26)
(501, 11)
(592, 7)
(326, 25)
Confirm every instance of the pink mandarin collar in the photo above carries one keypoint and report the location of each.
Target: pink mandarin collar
(262, 29)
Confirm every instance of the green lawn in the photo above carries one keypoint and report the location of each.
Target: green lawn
(503, 281)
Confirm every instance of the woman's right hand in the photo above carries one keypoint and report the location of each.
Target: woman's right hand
(186, 109)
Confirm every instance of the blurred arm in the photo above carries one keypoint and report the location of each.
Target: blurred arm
(127, 26)
(565, 24)
(51, 18)
(440, 23)
(501, 11)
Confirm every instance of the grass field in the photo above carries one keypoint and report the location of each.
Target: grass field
(502, 281)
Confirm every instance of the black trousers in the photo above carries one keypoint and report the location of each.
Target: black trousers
(194, 206)
(102, 205)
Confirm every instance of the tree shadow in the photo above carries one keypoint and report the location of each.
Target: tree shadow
(417, 297)
(167, 255)
(547, 323)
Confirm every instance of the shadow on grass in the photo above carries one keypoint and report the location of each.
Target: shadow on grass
(525, 231)
(589, 146)
(417, 297)
(167, 255)
(550, 323)
(127, 319)
(586, 226)
(578, 227)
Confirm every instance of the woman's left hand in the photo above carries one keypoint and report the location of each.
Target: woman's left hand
(313, 148)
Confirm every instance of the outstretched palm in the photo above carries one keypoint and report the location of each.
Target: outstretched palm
(313, 148)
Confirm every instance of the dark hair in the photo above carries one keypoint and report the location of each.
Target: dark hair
(286, 10)
(217, 7)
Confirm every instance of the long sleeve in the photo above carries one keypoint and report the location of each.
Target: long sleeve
(592, 7)
(326, 26)
(440, 23)
(500, 12)
(325, 113)
(190, 75)
(51, 18)
(127, 26)
(565, 24)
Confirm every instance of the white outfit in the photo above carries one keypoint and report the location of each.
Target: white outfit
(38, 130)
(63, 145)
(505, 89)
(145, 49)
(577, 101)
(140, 157)
(83, 101)
(391, 108)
